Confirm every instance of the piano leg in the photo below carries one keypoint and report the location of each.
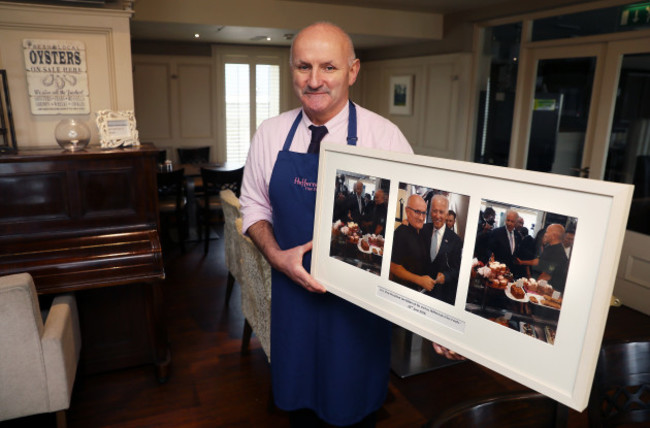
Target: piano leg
(158, 330)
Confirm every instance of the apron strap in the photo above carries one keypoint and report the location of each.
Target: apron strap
(292, 132)
(352, 128)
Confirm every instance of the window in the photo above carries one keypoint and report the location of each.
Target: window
(245, 111)
(237, 112)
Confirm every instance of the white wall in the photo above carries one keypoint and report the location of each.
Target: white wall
(106, 35)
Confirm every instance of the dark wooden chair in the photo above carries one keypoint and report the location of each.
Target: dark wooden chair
(172, 205)
(514, 409)
(162, 156)
(620, 393)
(193, 155)
(210, 210)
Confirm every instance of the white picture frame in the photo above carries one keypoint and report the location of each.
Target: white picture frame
(117, 129)
(401, 95)
(564, 370)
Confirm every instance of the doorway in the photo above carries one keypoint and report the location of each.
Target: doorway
(584, 110)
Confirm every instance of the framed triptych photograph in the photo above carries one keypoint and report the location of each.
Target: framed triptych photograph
(437, 253)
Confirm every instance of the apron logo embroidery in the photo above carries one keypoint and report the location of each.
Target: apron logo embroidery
(306, 185)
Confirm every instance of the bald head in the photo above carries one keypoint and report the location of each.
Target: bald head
(323, 67)
(328, 30)
(554, 234)
(380, 197)
(416, 211)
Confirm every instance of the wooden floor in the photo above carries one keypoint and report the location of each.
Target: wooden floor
(213, 385)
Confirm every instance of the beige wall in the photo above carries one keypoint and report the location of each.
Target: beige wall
(440, 119)
(106, 35)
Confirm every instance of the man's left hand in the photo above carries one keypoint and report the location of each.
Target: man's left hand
(447, 353)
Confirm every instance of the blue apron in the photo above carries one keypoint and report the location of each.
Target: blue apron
(327, 354)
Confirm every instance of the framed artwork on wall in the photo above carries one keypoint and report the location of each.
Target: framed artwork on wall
(401, 95)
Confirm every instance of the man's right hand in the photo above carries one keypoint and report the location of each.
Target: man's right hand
(426, 282)
(289, 262)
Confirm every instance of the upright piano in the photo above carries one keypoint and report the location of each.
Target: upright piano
(87, 222)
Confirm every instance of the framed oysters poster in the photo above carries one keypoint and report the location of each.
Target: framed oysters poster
(534, 311)
(57, 76)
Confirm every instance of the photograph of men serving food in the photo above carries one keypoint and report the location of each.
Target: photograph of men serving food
(520, 268)
(359, 220)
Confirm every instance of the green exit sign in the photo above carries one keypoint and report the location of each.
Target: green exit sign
(635, 15)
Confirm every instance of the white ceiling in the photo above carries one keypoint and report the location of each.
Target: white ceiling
(281, 37)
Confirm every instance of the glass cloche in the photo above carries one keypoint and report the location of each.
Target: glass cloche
(72, 134)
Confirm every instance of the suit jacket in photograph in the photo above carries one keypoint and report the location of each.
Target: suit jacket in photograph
(353, 207)
(447, 262)
(500, 246)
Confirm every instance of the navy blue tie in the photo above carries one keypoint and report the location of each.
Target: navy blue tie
(317, 134)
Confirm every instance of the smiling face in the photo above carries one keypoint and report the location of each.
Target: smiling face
(439, 210)
(323, 68)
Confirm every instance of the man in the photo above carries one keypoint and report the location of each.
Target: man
(445, 250)
(356, 203)
(340, 207)
(409, 259)
(519, 225)
(376, 213)
(483, 233)
(526, 254)
(567, 241)
(451, 219)
(330, 358)
(505, 242)
(553, 263)
(486, 220)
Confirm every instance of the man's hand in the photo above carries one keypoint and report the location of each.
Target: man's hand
(426, 282)
(440, 278)
(447, 353)
(289, 262)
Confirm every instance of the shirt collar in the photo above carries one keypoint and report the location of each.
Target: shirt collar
(341, 118)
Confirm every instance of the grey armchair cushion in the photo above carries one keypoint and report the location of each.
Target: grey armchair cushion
(38, 362)
(251, 270)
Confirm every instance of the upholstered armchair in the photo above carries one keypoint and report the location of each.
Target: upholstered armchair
(251, 270)
(38, 362)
